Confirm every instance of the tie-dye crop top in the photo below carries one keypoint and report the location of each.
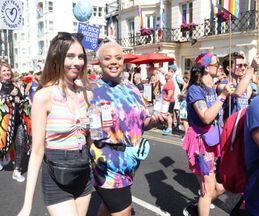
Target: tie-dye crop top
(64, 130)
(114, 169)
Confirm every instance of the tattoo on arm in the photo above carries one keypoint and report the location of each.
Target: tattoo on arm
(202, 105)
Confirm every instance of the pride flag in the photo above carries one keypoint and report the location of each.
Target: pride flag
(162, 14)
(232, 6)
(141, 23)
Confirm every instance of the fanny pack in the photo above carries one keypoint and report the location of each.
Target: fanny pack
(139, 151)
(212, 136)
(68, 172)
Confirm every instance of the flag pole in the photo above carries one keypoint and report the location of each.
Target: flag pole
(257, 10)
(230, 50)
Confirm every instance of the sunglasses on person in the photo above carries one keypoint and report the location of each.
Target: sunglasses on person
(216, 65)
(241, 65)
(70, 36)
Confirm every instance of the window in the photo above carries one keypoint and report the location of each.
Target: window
(15, 36)
(152, 21)
(51, 25)
(40, 28)
(22, 36)
(95, 11)
(41, 47)
(40, 9)
(149, 20)
(100, 12)
(190, 12)
(188, 63)
(23, 51)
(74, 26)
(131, 26)
(50, 6)
(187, 13)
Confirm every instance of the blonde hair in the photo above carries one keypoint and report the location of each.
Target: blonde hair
(105, 45)
(3, 64)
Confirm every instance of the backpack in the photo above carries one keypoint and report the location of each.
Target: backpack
(232, 163)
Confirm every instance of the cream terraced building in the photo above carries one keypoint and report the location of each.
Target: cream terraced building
(202, 29)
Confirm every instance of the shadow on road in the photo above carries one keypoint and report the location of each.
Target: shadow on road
(187, 180)
(167, 198)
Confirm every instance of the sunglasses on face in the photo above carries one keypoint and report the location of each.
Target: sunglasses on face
(70, 36)
(216, 65)
(241, 65)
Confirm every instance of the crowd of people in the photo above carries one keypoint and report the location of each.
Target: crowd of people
(72, 164)
(16, 93)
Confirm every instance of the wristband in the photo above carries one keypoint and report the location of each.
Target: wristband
(221, 99)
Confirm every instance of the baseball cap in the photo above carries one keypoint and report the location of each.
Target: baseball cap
(173, 67)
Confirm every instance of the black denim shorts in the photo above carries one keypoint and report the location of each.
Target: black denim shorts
(54, 193)
(116, 199)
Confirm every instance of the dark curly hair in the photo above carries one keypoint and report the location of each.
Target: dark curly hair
(225, 62)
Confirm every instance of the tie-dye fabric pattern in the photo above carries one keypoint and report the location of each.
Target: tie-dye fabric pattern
(112, 168)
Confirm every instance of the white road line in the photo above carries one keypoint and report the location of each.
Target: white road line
(150, 207)
(168, 141)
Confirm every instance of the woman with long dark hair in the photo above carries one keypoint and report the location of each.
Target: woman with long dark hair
(204, 109)
(59, 130)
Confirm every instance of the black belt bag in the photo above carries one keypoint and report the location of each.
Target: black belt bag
(68, 172)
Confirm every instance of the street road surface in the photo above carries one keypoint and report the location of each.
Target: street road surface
(163, 185)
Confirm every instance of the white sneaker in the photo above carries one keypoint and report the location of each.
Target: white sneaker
(18, 177)
(212, 206)
(1, 165)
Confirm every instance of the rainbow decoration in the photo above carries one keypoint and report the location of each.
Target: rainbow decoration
(232, 6)
(141, 22)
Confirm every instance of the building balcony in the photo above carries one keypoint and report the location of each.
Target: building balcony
(217, 26)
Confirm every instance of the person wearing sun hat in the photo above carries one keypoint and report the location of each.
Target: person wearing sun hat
(203, 108)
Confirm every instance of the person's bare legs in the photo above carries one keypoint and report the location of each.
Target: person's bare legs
(208, 194)
(71, 207)
(170, 121)
(82, 204)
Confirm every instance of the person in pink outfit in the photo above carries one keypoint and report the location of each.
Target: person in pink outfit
(204, 109)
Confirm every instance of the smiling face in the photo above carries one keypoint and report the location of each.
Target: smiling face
(5, 73)
(238, 67)
(111, 61)
(74, 61)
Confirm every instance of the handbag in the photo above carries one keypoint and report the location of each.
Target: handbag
(68, 172)
(212, 136)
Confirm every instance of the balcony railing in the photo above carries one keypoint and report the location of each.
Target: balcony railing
(246, 22)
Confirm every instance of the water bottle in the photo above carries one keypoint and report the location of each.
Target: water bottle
(158, 103)
(96, 131)
(107, 120)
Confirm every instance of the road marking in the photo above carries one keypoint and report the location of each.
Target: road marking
(163, 140)
(150, 207)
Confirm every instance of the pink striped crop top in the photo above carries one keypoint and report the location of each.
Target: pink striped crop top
(63, 129)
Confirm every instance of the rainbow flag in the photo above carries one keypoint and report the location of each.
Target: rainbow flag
(232, 6)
